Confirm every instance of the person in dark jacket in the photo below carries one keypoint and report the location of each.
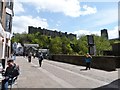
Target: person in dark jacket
(40, 58)
(29, 57)
(12, 72)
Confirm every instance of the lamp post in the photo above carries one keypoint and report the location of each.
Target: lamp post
(49, 42)
(3, 54)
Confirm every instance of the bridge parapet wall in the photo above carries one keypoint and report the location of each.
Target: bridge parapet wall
(108, 63)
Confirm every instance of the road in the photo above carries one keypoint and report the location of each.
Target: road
(62, 75)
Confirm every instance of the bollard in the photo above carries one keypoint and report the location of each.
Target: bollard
(3, 63)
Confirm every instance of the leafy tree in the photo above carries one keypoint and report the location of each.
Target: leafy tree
(75, 45)
(63, 45)
(22, 38)
(55, 45)
(82, 42)
(114, 41)
(101, 44)
(66, 49)
(44, 41)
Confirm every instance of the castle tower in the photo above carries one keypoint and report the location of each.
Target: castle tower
(104, 33)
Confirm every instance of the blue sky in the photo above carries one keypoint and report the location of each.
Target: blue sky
(72, 16)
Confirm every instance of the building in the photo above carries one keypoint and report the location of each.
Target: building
(17, 48)
(104, 33)
(115, 46)
(50, 33)
(6, 15)
(119, 19)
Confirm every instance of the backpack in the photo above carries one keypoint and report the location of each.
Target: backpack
(40, 57)
(15, 71)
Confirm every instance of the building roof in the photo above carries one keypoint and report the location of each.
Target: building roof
(43, 50)
(31, 45)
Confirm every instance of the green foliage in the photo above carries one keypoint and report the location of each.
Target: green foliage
(83, 44)
(63, 45)
(101, 44)
(114, 41)
(75, 45)
(55, 45)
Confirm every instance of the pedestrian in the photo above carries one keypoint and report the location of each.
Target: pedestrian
(29, 57)
(10, 75)
(23, 54)
(88, 60)
(33, 54)
(40, 58)
(14, 55)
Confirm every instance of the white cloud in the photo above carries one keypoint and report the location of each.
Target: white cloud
(78, 0)
(68, 7)
(21, 23)
(99, 0)
(88, 10)
(102, 17)
(107, 17)
(86, 32)
(113, 33)
(18, 7)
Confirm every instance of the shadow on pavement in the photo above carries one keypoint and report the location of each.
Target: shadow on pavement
(35, 66)
(82, 69)
(109, 86)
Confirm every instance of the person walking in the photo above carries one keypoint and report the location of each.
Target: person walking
(13, 55)
(40, 58)
(88, 60)
(29, 57)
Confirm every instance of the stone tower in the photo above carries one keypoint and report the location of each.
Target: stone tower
(104, 33)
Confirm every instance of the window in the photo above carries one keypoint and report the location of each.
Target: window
(8, 23)
(1, 8)
(9, 4)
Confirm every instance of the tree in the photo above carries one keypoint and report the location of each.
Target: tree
(55, 45)
(66, 49)
(75, 45)
(100, 43)
(63, 45)
(83, 46)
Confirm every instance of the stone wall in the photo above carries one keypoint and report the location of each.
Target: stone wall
(108, 63)
(116, 49)
(117, 61)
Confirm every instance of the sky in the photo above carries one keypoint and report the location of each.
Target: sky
(71, 16)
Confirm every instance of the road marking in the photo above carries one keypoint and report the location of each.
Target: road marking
(63, 83)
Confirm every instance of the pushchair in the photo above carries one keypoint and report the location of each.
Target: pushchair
(11, 81)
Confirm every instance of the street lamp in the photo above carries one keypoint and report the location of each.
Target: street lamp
(49, 42)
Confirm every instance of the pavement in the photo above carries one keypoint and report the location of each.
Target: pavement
(62, 75)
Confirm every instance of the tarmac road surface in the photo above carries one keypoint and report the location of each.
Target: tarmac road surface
(62, 75)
